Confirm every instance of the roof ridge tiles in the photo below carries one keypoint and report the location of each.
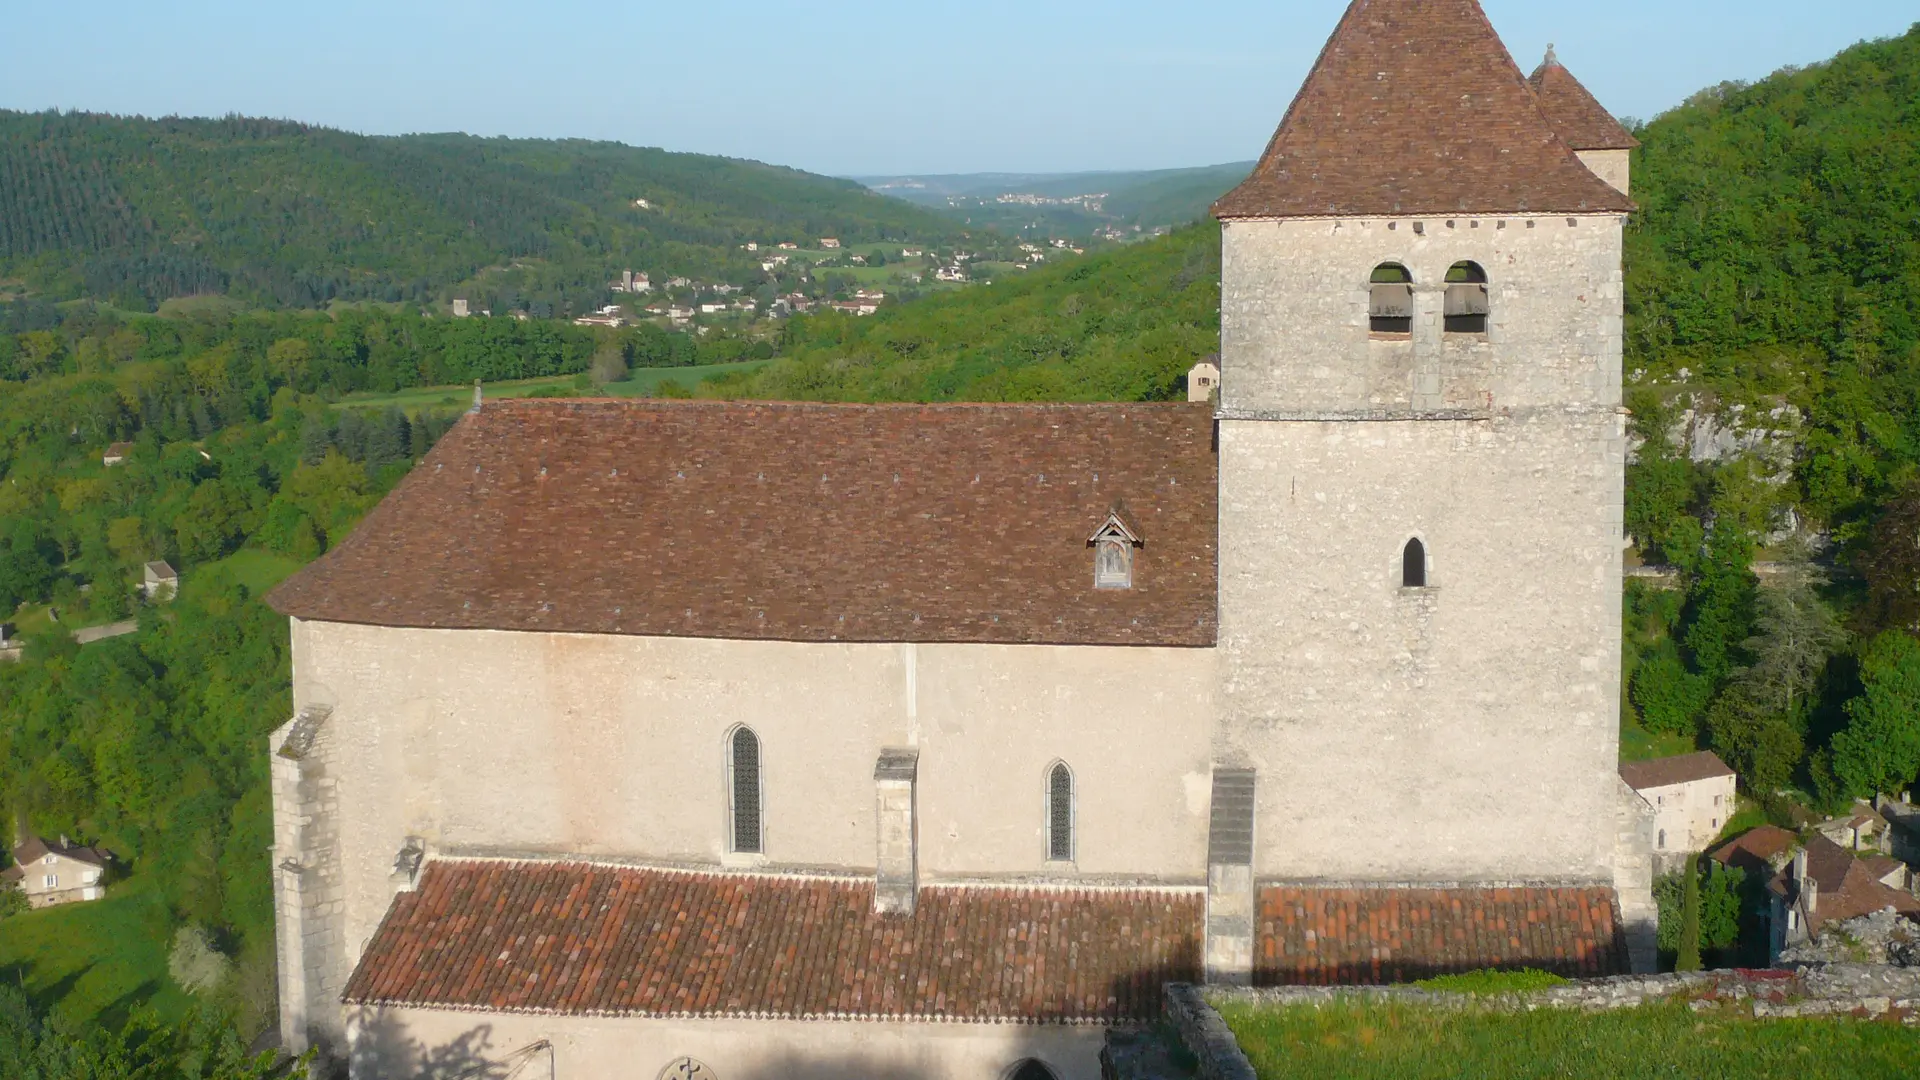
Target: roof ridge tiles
(1416, 107)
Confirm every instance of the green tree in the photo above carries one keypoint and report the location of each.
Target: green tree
(1879, 749)
(1688, 956)
(1796, 636)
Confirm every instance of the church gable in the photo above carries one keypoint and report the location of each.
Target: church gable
(1416, 107)
(956, 523)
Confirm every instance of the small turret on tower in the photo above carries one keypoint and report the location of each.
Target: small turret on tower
(1601, 142)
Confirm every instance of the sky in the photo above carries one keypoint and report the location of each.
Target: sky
(875, 88)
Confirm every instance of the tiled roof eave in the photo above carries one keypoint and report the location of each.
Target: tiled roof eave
(1084, 1020)
(1207, 639)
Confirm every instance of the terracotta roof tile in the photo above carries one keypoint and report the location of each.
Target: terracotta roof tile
(1354, 936)
(582, 939)
(790, 521)
(1415, 107)
(1668, 771)
(1755, 849)
(1583, 123)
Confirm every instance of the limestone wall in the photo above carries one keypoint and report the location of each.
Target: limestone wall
(492, 742)
(1294, 315)
(1466, 730)
(441, 1045)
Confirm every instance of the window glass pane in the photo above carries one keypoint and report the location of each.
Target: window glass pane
(746, 792)
(1060, 814)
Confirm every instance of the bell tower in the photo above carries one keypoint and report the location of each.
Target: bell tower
(1421, 471)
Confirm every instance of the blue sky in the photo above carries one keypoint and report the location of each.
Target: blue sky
(878, 87)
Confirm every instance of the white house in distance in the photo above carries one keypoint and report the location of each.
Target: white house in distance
(1692, 796)
(57, 873)
(1203, 380)
(160, 581)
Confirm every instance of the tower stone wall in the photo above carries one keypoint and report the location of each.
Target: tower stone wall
(1467, 730)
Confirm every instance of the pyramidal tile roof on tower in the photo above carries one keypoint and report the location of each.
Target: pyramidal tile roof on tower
(1416, 107)
(1583, 123)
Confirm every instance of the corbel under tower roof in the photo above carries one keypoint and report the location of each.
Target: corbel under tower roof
(1416, 107)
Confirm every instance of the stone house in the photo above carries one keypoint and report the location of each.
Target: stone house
(159, 581)
(754, 739)
(116, 454)
(1692, 796)
(58, 872)
(1825, 883)
(1203, 380)
(1861, 829)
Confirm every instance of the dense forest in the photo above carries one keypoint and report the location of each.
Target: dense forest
(1773, 297)
(134, 211)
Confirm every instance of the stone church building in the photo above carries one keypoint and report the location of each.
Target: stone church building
(751, 740)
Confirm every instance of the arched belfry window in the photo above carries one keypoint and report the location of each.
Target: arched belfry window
(1390, 300)
(1060, 813)
(1413, 565)
(743, 795)
(1466, 299)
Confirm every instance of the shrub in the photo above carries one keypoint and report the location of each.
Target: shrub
(194, 962)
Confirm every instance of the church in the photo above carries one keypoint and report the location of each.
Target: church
(751, 740)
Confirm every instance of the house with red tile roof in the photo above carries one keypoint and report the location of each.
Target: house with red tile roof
(1824, 883)
(739, 738)
(55, 872)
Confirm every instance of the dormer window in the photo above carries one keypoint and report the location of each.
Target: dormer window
(1390, 300)
(1467, 306)
(1113, 545)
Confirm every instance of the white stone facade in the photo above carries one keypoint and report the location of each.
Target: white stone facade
(1687, 817)
(1466, 730)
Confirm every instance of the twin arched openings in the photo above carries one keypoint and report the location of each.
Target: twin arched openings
(1390, 300)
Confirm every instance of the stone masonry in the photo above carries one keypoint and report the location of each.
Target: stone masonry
(308, 893)
(1470, 726)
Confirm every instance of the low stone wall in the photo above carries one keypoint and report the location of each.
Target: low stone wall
(1207, 1036)
(1862, 990)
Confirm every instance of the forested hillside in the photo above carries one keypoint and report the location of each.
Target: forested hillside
(136, 211)
(1120, 326)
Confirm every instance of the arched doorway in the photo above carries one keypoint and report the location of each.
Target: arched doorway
(1031, 1070)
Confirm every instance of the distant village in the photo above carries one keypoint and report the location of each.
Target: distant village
(832, 275)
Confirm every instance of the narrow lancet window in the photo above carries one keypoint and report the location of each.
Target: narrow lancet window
(1390, 300)
(1060, 813)
(743, 767)
(1467, 306)
(1413, 570)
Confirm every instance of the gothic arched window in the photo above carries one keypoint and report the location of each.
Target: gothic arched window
(1390, 300)
(1663, 839)
(1413, 565)
(743, 795)
(1466, 299)
(1060, 813)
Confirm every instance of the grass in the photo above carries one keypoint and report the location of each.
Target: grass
(1639, 744)
(1364, 1041)
(640, 381)
(257, 570)
(95, 961)
(1493, 982)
